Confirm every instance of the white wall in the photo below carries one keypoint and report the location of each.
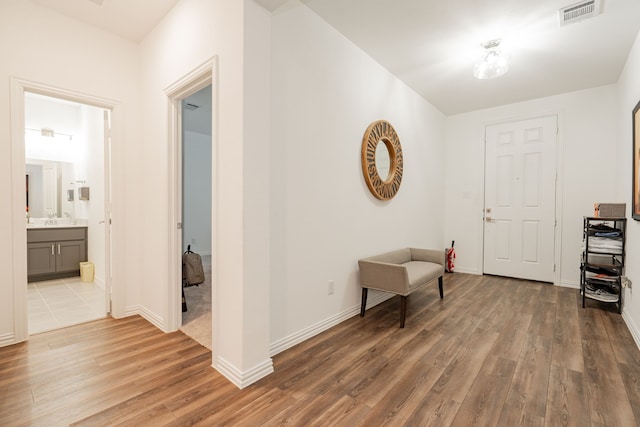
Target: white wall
(325, 92)
(196, 192)
(42, 46)
(629, 95)
(587, 132)
(194, 32)
(256, 130)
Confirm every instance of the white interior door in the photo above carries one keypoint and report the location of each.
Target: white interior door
(520, 169)
(108, 273)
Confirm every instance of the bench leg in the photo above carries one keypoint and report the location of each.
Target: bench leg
(363, 306)
(440, 287)
(403, 309)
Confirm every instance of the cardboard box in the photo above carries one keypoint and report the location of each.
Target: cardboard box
(610, 210)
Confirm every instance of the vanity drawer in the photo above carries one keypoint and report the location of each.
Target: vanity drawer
(56, 234)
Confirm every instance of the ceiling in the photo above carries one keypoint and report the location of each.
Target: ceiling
(432, 45)
(131, 19)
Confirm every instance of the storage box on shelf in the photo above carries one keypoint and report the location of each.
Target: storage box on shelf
(603, 259)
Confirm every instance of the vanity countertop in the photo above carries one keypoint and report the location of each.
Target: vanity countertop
(62, 225)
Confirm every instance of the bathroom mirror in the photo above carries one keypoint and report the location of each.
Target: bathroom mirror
(48, 187)
(382, 162)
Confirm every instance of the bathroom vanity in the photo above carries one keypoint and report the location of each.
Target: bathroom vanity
(55, 251)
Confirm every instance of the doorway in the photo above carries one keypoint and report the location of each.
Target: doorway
(196, 153)
(520, 199)
(66, 146)
(199, 78)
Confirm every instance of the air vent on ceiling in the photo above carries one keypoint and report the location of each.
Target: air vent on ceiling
(579, 11)
(191, 106)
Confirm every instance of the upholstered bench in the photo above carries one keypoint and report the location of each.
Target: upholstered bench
(401, 272)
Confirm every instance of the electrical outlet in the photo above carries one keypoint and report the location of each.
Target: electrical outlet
(330, 287)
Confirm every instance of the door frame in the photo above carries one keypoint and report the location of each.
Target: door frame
(19, 241)
(199, 78)
(560, 121)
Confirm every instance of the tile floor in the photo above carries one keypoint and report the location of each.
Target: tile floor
(58, 303)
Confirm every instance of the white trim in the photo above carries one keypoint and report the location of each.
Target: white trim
(151, 317)
(7, 339)
(99, 281)
(18, 230)
(633, 328)
(107, 280)
(243, 379)
(467, 271)
(287, 342)
(569, 284)
(201, 77)
(557, 256)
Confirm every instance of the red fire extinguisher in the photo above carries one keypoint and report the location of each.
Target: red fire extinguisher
(451, 258)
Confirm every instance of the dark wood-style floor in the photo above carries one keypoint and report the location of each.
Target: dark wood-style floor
(494, 352)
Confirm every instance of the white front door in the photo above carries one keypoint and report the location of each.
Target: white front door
(519, 228)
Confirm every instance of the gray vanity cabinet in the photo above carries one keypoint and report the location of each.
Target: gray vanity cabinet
(55, 252)
(41, 258)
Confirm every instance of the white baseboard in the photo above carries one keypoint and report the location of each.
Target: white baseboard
(569, 284)
(633, 328)
(155, 320)
(466, 271)
(99, 281)
(374, 299)
(243, 379)
(7, 339)
(132, 310)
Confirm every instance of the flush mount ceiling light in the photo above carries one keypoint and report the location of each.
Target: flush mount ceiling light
(492, 63)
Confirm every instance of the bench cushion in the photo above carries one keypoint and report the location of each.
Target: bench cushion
(420, 272)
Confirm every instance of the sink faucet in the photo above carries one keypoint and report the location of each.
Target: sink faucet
(52, 217)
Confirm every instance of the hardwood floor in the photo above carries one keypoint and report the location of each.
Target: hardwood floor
(494, 352)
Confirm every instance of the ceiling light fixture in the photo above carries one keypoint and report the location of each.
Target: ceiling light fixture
(492, 63)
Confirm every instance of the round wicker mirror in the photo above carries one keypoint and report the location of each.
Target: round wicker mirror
(381, 133)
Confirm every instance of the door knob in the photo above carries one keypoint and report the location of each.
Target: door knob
(489, 219)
